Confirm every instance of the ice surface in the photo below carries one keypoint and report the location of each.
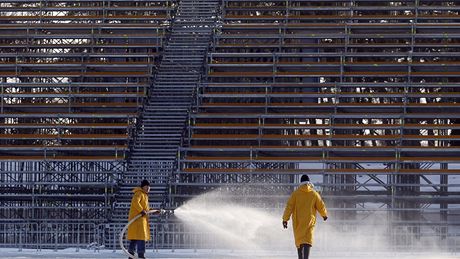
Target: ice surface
(186, 253)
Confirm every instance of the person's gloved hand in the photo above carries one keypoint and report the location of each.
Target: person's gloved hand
(143, 213)
(325, 218)
(155, 212)
(284, 224)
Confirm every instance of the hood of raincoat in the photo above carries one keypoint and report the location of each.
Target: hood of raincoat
(306, 187)
(138, 189)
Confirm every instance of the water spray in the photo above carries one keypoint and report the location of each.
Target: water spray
(165, 212)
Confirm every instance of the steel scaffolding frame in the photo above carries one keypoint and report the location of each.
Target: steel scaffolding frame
(361, 93)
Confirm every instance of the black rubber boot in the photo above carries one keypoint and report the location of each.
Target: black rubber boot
(303, 251)
(141, 256)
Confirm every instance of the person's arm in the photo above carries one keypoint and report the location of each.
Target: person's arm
(148, 205)
(288, 210)
(136, 204)
(320, 206)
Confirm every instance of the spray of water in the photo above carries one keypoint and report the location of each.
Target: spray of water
(244, 227)
(234, 226)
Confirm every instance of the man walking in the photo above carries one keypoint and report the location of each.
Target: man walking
(303, 205)
(139, 230)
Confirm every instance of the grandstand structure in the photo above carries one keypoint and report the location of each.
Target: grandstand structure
(362, 93)
(241, 95)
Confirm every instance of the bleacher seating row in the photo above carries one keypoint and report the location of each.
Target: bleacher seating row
(333, 82)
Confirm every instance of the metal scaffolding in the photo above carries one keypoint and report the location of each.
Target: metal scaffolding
(96, 95)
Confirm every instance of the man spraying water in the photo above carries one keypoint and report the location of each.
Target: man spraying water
(303, 205)
(138, 223)
(139, 230)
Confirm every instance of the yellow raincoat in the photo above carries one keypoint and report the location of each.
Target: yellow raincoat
(303, 205)
(139, 229)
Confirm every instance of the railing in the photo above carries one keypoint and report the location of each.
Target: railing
(56, 235)
(177, 235)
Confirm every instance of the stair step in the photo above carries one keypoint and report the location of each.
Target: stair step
(158, 151)
(175, 71)
(169, 104)
(183, 48)
(155, 109)
(160, 129)
(160, 118)
(145, 151)
(181, 56)
(169, 99)
(154, 147)
(153, 152)
(178, 76)
(158, 158)
(140, 168)
(153, 124)
(159, 138)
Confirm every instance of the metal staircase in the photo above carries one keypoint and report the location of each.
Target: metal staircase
(162, 123)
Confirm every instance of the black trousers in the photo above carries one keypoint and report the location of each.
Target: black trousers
(140, 247)
(304, 251)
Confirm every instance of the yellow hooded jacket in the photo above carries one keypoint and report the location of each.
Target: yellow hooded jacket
(303, 205)
(139, 229)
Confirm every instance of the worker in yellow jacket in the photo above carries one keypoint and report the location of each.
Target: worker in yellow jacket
(139, 230)
(303, 205)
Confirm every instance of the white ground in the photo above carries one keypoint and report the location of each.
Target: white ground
(109, 254)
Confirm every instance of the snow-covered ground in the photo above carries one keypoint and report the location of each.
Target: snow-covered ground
(109, 254)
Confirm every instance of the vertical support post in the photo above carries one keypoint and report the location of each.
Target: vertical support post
(2, 85)
(55, 240)
(20, 238)
(444, 206)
